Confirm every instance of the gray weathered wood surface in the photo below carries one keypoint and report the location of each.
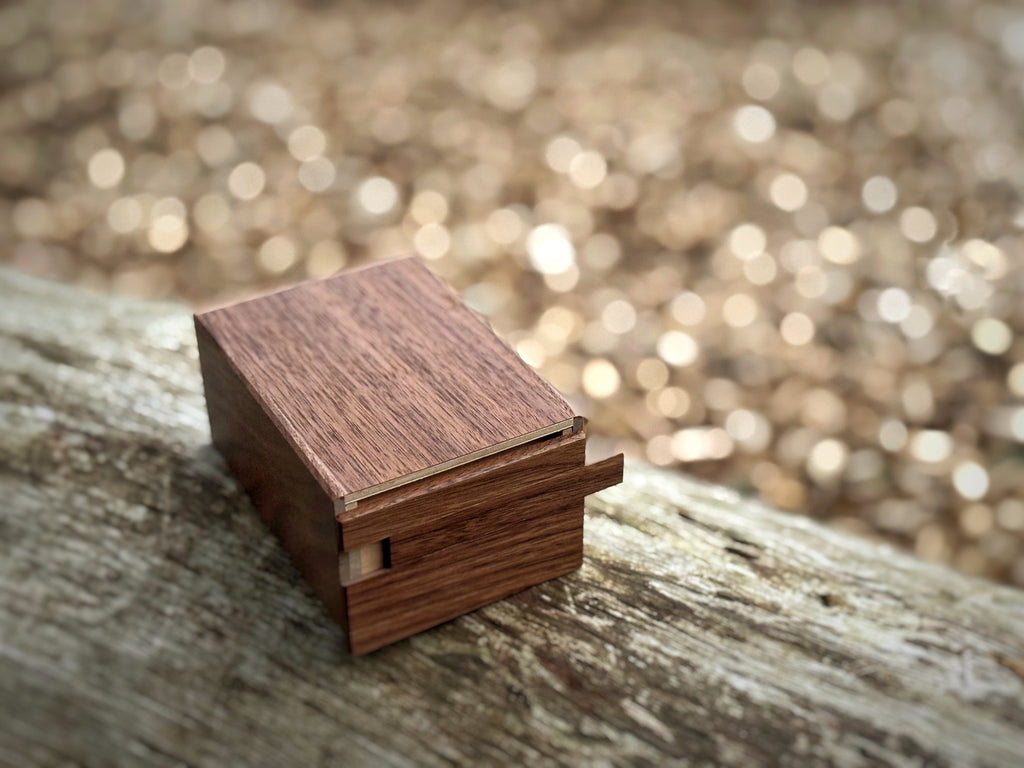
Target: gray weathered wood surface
(146, 617)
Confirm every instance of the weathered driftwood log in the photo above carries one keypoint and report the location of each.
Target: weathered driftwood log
(147, 617)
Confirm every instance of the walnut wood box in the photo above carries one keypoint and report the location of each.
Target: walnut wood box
(412, 465)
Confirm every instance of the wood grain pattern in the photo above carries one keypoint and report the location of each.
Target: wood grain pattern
(411, 510)
(463, 539)
(380, 373)
(337, 385)
(434, 483)
(149, 618)
(288, 498)
(474, 542)
(603, 474)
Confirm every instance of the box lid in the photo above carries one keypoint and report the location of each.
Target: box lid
(381, 376)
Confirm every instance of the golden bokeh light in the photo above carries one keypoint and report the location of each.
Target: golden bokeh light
(788, 261)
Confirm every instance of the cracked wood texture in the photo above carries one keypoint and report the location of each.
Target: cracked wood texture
(147, 617)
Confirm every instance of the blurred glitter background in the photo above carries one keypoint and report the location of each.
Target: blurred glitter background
(777, 243)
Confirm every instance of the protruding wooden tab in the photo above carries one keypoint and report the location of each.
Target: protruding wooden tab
(603, 474)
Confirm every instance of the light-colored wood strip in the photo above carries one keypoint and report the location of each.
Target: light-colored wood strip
(360, 562)
(349, 502)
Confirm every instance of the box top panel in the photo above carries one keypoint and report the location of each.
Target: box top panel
(382, 374)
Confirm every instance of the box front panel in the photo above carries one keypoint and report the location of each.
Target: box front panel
(467, 544)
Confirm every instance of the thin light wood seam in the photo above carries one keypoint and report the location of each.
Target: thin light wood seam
(350, 501)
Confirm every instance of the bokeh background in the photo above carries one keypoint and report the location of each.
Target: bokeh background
(775, 243)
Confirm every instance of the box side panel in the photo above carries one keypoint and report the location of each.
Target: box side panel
(288, 498)
(468, 544)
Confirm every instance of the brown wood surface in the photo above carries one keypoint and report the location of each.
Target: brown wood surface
(462, 540)
(452, 551)
(148, 617)
(379, 373)
(517, 474)
(474, 542)
(601, 475)
(288, 498)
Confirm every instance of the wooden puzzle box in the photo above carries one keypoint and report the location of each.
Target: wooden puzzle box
(412, 465)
